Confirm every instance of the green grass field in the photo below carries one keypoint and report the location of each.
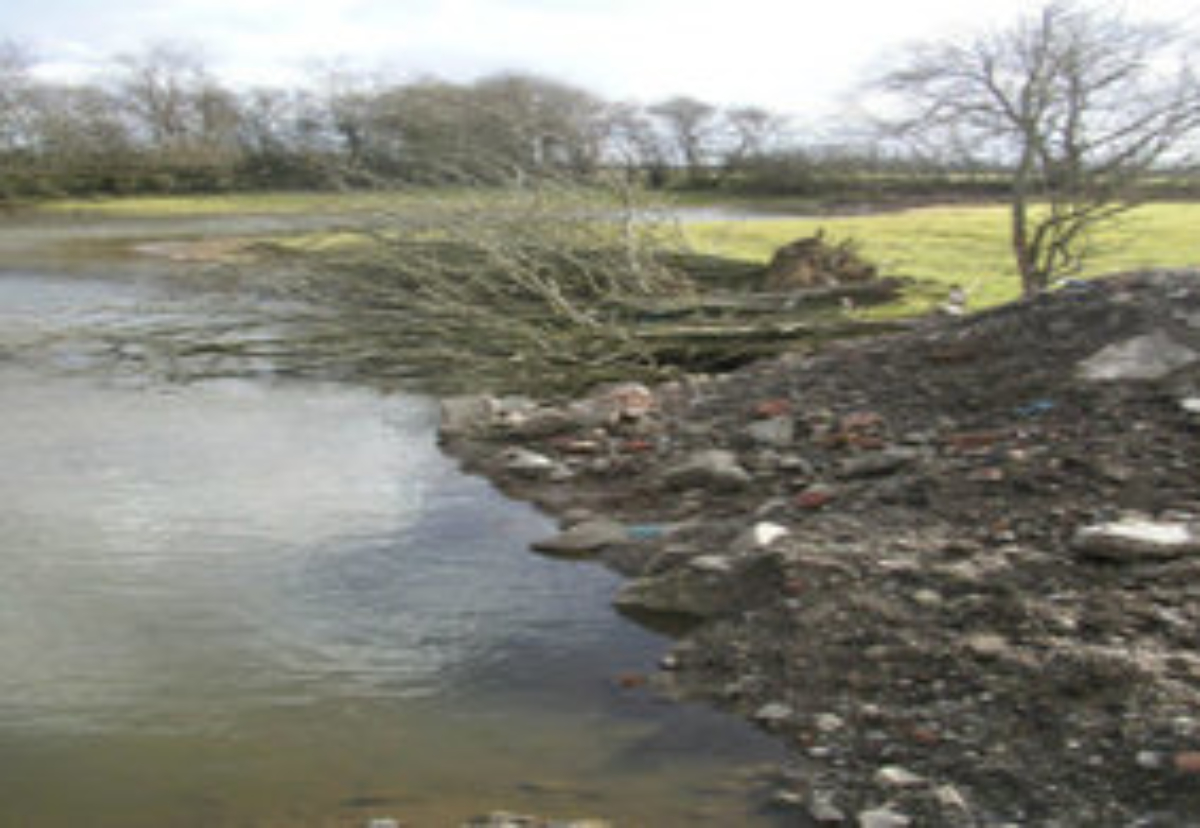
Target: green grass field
(966, 246)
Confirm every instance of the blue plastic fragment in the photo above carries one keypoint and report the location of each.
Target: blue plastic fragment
(1036, 408)
(646, 531)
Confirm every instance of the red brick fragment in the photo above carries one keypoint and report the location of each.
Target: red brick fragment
(770, 409)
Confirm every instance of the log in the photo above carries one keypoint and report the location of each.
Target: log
(768, 331)
(864, 294)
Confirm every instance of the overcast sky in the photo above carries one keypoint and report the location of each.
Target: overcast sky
(794, 56)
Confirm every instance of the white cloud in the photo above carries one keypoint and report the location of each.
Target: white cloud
(780, 53)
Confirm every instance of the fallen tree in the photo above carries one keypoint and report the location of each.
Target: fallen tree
(550, 288)
(529, 289)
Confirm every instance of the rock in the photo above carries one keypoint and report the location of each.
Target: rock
(778, 432)
(625, 402)
(466, 415)
(883, 818)
(816, 496)
(715, 469)
(877, 464)
(681, 592)
(829, 723)
(1135, 539)
(795, 465)
(1187, 762)
(773, 714)
(772, 409)
(928, 598)
(987, 646)
(541, 423)
(822, 810)
(766, 533)
(383, 822)
(501, 819)
(712, 564)
(584, 539)
(1148, 357)
(787, 799)
(528, 463)
(894, 776)
(1149, 760)
(575, 516)
(760, 536)
(950, 798)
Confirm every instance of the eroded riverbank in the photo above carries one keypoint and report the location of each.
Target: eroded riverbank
(953, 570)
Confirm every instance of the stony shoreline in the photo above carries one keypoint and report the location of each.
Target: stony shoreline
(956, 570)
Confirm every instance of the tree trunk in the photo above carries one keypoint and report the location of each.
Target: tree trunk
(1033, 279)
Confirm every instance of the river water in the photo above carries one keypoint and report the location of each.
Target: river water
(232, 598)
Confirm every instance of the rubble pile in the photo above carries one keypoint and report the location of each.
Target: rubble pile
(956, 569)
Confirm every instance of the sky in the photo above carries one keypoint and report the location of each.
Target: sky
(795, 57)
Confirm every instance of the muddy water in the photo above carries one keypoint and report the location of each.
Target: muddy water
(227, 598)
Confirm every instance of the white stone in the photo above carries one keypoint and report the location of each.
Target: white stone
(883, 818)
(894, 776)
(714, 564)
(1150, 760)
(951, 798)
(829, 723)
(773, 713)
(766, 533)
(1137, 538)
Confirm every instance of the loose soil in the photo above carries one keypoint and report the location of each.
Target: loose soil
(882, 565)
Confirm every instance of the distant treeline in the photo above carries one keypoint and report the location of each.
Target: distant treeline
(160, 122)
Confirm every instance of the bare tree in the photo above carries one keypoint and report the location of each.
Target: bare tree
(1079, 105)
(16, 95)
(751, 131)
(631, 140)
(690, 124)
(161, 86)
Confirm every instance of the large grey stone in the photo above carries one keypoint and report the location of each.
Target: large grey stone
(681, 592)
(584, 539)
(778, 432)
(1147, 357)
(708, 469)
(466, 415)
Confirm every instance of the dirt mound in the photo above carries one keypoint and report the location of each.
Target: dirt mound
(814, 262)
(956, 569)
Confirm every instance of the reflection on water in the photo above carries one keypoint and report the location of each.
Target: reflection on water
(250, 602)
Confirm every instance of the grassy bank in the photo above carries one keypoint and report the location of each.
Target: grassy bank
(966, 246)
